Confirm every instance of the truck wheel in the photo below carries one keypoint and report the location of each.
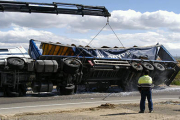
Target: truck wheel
(148, 66)
(71, 66)
(15, 63)
(159, 66)
(67, 90)
(137, 66)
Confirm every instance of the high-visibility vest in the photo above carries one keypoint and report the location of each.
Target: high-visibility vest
(145, 81)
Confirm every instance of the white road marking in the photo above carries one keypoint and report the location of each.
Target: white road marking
(79, 103)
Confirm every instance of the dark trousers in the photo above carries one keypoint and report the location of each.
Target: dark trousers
(144, 94)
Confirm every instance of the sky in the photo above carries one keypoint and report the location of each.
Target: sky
(135, 22)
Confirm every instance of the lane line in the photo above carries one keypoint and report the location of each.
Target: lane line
(78, 103)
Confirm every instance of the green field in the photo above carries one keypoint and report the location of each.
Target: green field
(176, 81)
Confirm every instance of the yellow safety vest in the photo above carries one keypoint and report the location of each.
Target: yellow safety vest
(146, 79)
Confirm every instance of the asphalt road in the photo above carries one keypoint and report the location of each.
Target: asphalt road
(53, 101)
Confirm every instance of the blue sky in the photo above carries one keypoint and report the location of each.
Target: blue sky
(136, 22)
(138, 5)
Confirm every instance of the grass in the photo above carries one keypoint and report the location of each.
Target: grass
(176, 81)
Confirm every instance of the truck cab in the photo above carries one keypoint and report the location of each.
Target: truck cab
(18, 52)
(13, 61)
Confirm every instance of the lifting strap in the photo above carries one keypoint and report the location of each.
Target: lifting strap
(100, 32)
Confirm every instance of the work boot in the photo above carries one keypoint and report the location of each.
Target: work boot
(151, 111)
(141, 111)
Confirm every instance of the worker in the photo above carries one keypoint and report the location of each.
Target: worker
(144, 86)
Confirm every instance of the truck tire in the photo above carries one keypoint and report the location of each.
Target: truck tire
(148, 66)
(71, 66)
(137, 66)
(67, 90)
(15, 63)
(159, 66)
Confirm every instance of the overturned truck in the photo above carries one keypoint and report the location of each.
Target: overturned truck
(105, 66)
(68, 66)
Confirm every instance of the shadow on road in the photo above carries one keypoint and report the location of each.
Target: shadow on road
(118, 114)
(177, 110)
(43, 95)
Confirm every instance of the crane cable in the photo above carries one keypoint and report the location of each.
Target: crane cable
(100, 32)
(102, 29)
(97, 34)
(114, 32)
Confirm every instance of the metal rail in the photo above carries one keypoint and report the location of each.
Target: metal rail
(54, 8)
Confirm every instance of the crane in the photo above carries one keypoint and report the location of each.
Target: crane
(53, 8)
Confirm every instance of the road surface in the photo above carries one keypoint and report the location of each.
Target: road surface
(51, 102)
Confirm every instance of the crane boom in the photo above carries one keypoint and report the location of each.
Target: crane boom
(53, 8)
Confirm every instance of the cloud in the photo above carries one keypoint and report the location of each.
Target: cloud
(21, 36)
(168, 39)
(159, 26)
(32, 20)
(129, 19)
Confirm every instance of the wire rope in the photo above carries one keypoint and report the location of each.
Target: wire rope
(100, 32)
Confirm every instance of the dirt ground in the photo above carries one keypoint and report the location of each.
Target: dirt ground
(167, 110)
